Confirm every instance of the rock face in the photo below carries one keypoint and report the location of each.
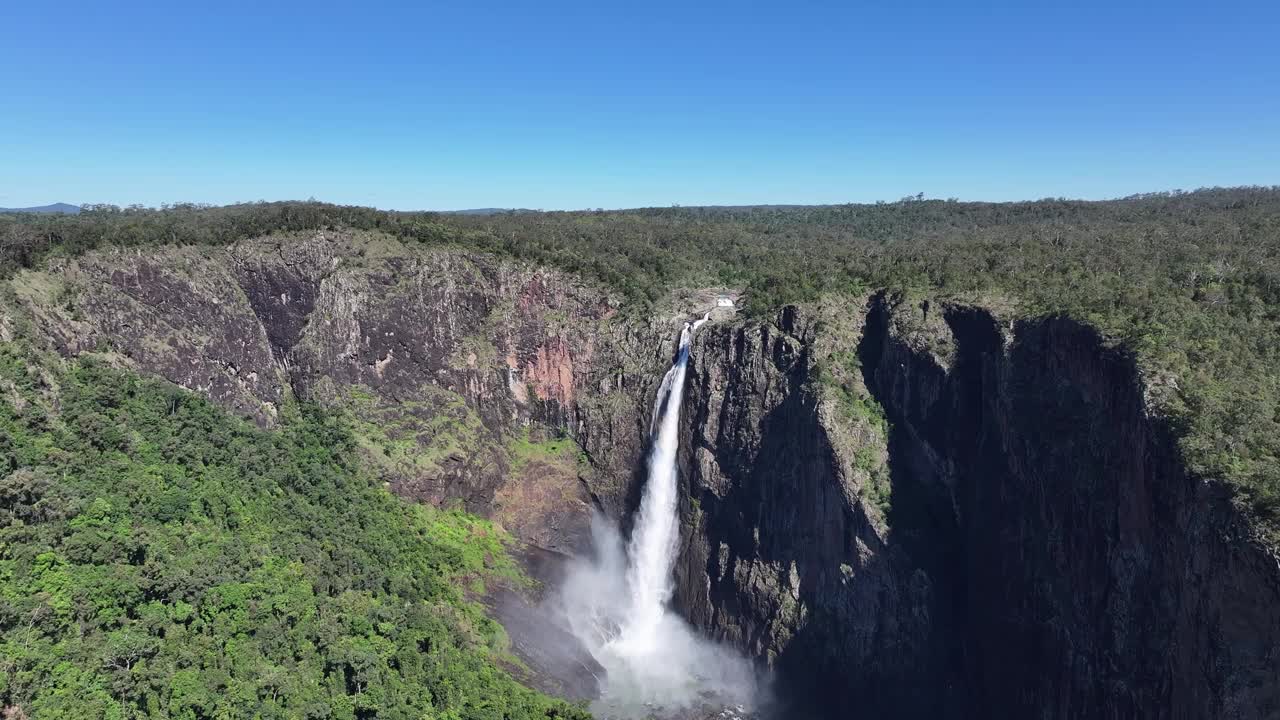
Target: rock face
(908, 510)
(443, 358)
(516, 390)
(1041, 552)
(786, 553)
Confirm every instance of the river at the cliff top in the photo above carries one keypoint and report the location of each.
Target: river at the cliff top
(616, 601)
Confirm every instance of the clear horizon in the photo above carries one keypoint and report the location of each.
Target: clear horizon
(570, 106)
(644, 207)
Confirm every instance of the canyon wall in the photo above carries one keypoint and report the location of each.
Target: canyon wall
(457, 369)
(907, 509)
(1040, 551)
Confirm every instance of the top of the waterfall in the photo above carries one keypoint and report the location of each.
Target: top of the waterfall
(720, 302)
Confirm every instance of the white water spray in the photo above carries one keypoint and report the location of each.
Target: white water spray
(616, 604)
(653, 543)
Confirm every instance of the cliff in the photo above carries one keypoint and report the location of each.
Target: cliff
(458, 370)
(908, 509)
(1040, 551)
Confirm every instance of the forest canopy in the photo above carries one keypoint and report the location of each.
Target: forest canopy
(1189, 282)
(161, 558)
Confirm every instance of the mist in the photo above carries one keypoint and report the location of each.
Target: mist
(669, 671)
(616, 602)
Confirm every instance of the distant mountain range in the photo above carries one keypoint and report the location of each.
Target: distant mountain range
(63, 208)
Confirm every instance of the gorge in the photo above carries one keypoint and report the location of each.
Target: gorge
(618, 602)
(900, 505)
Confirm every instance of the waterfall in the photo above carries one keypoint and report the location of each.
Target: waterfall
(617, 603)
(653, 544)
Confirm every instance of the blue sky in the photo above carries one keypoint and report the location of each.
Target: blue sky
(574, 105)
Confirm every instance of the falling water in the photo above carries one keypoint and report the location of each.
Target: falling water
(617, 602)
(653, 544)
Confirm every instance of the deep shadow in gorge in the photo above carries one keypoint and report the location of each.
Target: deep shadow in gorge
(922, 514)
(1046, 553)
(774, 543)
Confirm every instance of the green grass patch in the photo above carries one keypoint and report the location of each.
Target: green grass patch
(552, 447)
(417, 435)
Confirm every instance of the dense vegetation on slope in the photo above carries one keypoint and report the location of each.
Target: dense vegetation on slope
(161, 559)
(1189, 281)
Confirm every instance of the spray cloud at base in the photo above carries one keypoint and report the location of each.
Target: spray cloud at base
(616, 602)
